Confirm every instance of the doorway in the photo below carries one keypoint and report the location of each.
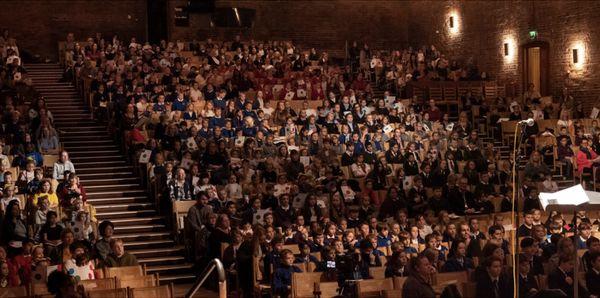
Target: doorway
(157, 20)
(535, 66)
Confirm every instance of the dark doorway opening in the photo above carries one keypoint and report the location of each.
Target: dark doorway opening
(157, 20)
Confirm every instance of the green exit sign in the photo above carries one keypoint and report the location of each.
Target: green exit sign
(533, 34)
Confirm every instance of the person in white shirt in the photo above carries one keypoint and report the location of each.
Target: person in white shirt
(360, 169)
(62, 165)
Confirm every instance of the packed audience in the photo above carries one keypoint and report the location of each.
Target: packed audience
(293, 161)
(46, 222)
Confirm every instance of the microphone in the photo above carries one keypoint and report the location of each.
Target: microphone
(529, 122)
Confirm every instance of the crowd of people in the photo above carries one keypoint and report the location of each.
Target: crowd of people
(280, 146)
(46, 222)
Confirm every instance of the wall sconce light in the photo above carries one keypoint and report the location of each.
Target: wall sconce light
(506, 53)
(451, 22)
(575, 56)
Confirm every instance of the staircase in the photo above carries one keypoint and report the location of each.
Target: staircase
(110, 183)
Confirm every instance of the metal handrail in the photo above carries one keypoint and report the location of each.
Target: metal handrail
(215, 263)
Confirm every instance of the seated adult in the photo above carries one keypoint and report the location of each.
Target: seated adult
(62, 165)
(197, 221)
(118, 256)
(180, 188)
(536, 169)
(14, 229)
(418, 283)
(102, 246)
(586, 158)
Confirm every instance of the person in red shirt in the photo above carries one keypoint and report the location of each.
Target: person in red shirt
(434, 112)
(587, 159)
(20, 265)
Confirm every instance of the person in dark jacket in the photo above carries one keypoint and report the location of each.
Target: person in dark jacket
(397, 266)
(282, 278)
(528, 285)
(457, 258)
(494, 282)
(561, 277)
(418, 283)
(592, 277)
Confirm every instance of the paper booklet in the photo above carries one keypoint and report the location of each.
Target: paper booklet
(574, 195)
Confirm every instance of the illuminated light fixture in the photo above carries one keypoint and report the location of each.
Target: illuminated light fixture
(533, 34)
(575, 56)
(506, 49)
(451, 22)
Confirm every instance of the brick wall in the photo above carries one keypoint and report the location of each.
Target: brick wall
(38, 25)
(323, 24)
(484, 26)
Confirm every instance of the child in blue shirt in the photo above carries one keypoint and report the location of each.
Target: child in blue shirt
(282, 279)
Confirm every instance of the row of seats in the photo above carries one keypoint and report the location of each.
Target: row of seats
(118, 282)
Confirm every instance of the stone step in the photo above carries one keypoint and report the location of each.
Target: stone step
(138, 220)
(124, 214)
(144, 236)
(113, 187)
(149, 244)
(147, 253)
(101, 169)
(101, 151)
(107, 175)
(94, 157)
(87, 165)
(166, 260)
(139, 228)
(94, 194)
(124, 200)
(169, 268)
(109, 181)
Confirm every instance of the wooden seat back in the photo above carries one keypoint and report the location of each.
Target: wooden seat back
(165, 291)
(303, 283)
(13, 292)
(450, 277)
(99, 284)
(108, 293)
(399, 282)
(180, 211)
(328, 289)
(391, 293)
(377, 272)
(126, 271)
(373, 287)
(138, 281)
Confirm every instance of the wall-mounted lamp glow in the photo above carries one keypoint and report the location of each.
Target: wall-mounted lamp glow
(451, 22)
(575, 56)
(506, 49)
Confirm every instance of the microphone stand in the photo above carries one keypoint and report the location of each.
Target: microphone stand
(514, 215)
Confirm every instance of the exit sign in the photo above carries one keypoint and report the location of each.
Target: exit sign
(533, 34)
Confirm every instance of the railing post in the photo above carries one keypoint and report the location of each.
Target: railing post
(223, 289)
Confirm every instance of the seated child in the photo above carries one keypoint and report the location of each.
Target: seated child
(282, 279)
